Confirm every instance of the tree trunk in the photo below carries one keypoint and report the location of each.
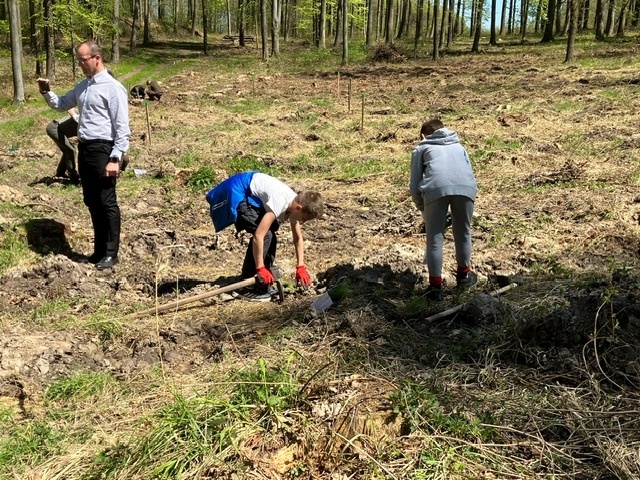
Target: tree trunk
(323, 24)
(370, 16)
(338, 24)
(176, 12)
(419, 15)
(524, 18)
(264, 31)
(193, 15)
(584, 25)
(205, 25)
(134, 27)
(388, 31)
(450, 22)
(573, 27)
(472, 18)
(511, 22)
(115, 41)
(15, 32)
(503, 17)
(147, 19)
(456, 29)
(443, 19)
(436, 51)
(558, 16)
(548, 27)
(494, 7)
(242, 8)
(621, 20)
(610, 15)
(464, 8)
(49, 41)
(345, 37)
(536, 28)
(275, 27)
(476, 38)
(599, 20)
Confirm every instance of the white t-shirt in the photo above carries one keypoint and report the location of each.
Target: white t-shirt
(275, 195)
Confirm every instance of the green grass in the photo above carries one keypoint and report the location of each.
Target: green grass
(13, 249)
(78, 386)
(49, 311)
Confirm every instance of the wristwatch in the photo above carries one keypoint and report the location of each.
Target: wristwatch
(114, 160)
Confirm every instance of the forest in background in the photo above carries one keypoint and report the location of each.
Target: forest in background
(48, 30)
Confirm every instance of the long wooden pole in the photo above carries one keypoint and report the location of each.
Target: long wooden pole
(178, 303)
(453, 310)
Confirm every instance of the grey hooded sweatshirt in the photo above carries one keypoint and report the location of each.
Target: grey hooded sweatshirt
(440, 167)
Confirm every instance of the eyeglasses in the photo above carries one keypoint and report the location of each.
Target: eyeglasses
(82, 61)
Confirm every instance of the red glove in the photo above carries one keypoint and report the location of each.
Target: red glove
(302, 276)
(264, 276)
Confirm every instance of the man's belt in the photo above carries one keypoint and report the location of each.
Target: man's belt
(96, 140)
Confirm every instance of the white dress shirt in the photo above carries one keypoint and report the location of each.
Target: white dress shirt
(103, 109)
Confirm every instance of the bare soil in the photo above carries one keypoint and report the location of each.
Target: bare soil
(556, 151)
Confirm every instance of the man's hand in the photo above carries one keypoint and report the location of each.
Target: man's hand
(264, 276)
(302, 276)
(112, 169)
(43, 85)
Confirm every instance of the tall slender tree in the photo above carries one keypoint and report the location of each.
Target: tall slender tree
(15, 32)
(276, 12)
(549, 26)
(345, 36)
(436, 35)
(49, 40)
(573, 5)
(115, 40)
(419, 15)
(478, 27)
(370, 12)
(492, 36)
(264, 32)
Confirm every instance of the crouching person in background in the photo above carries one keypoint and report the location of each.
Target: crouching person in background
(257, 203)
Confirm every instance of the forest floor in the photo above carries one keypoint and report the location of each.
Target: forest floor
(540, 381)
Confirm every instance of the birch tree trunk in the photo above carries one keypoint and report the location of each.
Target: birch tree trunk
(15, 32)
(115, 41)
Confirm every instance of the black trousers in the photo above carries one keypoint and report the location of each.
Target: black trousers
(99, 194)
(249, 218)
(61, 132)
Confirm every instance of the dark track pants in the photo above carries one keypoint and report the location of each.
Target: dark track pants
(248, 220)
(61, 132)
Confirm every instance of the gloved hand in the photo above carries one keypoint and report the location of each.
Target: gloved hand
(264, 276)
(302, 276)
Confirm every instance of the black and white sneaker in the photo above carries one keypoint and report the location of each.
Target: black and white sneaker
(257, 293)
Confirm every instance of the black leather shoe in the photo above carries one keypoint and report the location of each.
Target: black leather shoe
(106, 262)
(95, 258)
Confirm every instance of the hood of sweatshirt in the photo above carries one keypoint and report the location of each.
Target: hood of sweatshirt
(442, 136)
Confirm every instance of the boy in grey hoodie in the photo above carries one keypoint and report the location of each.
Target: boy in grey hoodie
(442, 179)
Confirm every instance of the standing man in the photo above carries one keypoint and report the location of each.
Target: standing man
(442, 179)
(103, 134)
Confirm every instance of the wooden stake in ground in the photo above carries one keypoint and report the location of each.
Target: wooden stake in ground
(349, 97)
(146, 109)
(362, 114)
(338, 83)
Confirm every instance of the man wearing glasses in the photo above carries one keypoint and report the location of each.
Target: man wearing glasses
(103, 134)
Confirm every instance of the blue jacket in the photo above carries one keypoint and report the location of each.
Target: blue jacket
(225, 197)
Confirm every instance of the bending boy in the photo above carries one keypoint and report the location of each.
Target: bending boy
(442, 178)
(257, 203)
